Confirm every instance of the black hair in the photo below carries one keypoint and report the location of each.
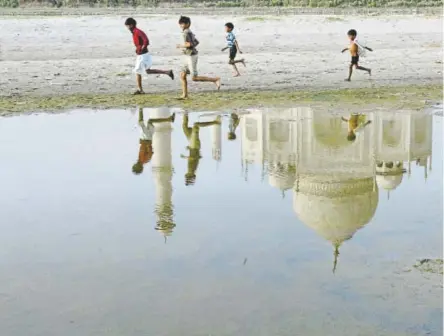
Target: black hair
(352, 32)
(184, 20)
(130, 22)
(351, 136)
(229, 25)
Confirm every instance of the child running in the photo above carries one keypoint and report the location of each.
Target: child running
(355, 50)
(143, 60)
(233, 45)
(190, 58)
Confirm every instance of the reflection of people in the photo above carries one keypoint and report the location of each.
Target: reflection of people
(356, 122)
(192, 134)
(234, 122)
(146, 139)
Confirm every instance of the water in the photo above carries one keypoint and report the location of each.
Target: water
(288, 229)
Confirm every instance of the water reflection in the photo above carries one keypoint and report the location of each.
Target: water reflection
(155, 144)
(334, 164)
(194, 145)
(335, 178)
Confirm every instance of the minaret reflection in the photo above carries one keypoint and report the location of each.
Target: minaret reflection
(162, 171)
(216, 137)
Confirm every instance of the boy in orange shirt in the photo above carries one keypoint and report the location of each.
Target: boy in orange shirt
(355, 50)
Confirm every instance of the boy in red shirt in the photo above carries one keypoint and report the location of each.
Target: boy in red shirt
(143, 60)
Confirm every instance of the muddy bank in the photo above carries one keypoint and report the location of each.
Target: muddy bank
(407, 97)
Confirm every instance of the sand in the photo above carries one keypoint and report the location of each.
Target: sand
(94, 54)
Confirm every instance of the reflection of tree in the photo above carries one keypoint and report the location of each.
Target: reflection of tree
(391, 133)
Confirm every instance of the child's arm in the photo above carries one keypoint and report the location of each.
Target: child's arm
(224, 48)
(185, 45)
(343, 119)
(343, 50)
(237, 46)
(369, 49)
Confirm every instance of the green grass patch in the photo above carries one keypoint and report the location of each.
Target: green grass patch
(411, 97)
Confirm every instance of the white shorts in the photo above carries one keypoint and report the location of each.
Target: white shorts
(190, 65)
(143, 63)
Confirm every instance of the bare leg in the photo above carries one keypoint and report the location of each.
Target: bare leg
(215, 80)
(236, 71)
(161, 120)
(240, 61)
(208, 123)
(139, 82)
(160, 72)
(183, 79)
(350, 71)
(369, 71)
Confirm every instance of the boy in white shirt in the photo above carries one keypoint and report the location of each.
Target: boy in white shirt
(146, 140)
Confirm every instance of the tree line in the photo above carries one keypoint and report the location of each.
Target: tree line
(226, 3)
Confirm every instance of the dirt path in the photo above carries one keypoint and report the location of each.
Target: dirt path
(94, 54)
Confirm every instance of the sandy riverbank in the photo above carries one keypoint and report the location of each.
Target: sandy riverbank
(43, 56)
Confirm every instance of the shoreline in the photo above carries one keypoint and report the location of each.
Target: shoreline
(401, 97)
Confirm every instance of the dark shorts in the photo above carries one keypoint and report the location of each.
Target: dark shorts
(233, 53)
(355, 60)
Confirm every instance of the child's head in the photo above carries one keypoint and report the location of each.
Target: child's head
(138, 168)
(190, 179)
(351, 136)
(231, 136)
(229, 27)
(352, 34)
(130, 23)
(184, 22)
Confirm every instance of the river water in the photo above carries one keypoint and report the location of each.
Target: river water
(255, 222)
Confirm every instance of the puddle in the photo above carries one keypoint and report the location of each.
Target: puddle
(273, 222)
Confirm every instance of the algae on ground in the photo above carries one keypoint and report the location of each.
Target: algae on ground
(434, 266)
(411, 97)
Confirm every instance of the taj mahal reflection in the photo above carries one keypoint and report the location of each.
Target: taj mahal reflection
(334, 164)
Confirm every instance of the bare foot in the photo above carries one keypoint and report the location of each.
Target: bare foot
(243, 62)
(369, 72)
(347, 80)
(138, 92)
(173, 117)
(183, 98)
(171, 74)
(236, 74)
(217, 82)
